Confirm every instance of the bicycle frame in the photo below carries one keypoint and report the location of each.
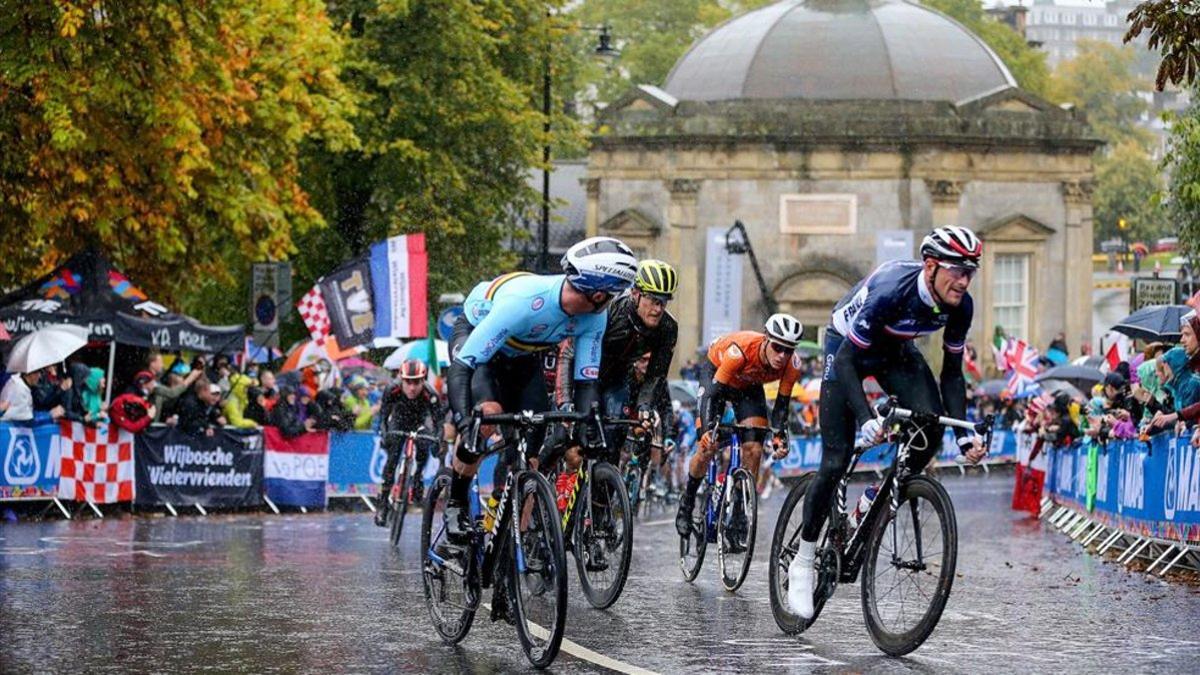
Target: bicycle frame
(717, 494)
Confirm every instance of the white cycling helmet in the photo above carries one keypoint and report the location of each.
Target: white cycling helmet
(600, 264)
(953, 244)
(784, 329)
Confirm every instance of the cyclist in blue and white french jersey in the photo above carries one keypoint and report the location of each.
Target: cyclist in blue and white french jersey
(871, 333)
(496, 363)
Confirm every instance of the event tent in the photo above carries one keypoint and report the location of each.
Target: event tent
(88, 291)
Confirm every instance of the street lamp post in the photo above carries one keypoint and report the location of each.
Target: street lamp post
(604, 49)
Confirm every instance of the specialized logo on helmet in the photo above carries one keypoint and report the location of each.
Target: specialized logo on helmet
(537, 303)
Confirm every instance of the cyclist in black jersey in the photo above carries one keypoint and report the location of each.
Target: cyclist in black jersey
(871, 334)
(638, 324)
(410, 405)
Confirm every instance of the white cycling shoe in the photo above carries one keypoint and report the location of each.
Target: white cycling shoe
(802, 578)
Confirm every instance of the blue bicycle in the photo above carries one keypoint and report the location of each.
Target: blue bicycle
(730, 515)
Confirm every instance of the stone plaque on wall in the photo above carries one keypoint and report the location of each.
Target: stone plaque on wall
(818, 214)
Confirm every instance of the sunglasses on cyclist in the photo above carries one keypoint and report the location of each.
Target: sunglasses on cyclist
(780, 349)
(958, 271)
(657, 300)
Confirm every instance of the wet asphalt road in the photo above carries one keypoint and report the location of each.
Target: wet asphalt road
(323, 593)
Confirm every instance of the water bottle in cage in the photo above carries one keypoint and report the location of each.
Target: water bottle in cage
(864, 505)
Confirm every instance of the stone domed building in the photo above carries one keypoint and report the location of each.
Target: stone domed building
(836, 131)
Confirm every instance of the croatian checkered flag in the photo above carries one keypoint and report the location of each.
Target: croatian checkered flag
(313, 312)
(96, 464)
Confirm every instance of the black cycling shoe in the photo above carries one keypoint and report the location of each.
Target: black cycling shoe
(458, 522)
(735, 536)
(381, 511)
(500, 606)
(683, 519)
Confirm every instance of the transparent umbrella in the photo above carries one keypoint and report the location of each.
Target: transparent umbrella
(46, 346)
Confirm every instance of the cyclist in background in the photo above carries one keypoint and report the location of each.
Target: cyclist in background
(496, 364)
(410, 405)
(738, 365)
(871, 333)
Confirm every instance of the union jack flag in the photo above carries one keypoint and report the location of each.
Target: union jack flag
(1022, 362)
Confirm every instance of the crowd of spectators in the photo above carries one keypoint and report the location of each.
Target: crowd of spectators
(198, 397)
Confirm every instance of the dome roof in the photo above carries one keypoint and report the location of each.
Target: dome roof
(839, 50)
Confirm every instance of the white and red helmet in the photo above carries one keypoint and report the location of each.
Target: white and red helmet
(953, 244)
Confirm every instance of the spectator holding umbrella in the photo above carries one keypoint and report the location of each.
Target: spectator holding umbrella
(16, 399)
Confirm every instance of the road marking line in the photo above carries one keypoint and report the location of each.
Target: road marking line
(580, 652)
(656, 522)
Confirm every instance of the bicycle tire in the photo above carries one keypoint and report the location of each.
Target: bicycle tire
(692, 547)
(901, 643)
(741, 489)
(400, 506)
(533, 487)
(633, 488)
(777, 564)
(604, 476)
(434, 576)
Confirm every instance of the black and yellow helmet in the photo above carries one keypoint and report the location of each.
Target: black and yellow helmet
(656, 278)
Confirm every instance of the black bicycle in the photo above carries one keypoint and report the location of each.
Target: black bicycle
(639, 473)
(906, 544)
(406, 480)
(517, 550)
(598, 524)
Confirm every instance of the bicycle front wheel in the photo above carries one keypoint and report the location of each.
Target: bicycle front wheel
(538, 576)
(691, 547)
(399, 505)
(909, 567)
(603, 537)
(451, 590)
(736, 529)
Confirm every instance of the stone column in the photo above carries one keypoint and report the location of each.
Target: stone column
(592, 219)
(944, 195)
(684, 249)
(1077, 272)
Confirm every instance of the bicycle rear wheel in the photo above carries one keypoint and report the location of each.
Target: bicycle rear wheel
(604, 542)
(538, 574)
(909, 568)
(784, 543)
(399, 505)
(451, 590)
(736, 528)
(691, 547)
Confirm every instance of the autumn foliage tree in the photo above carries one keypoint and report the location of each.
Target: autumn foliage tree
(167, 132)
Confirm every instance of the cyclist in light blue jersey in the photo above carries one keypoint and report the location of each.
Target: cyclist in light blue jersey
(495, 348)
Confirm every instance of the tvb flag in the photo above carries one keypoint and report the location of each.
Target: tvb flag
(399, 272)
(295, 470)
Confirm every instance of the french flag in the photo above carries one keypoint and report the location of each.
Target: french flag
(399, 269)
(296, 470)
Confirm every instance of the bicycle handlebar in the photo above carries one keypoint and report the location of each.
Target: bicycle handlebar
(415, 435)
(533, 419)
(890, 410)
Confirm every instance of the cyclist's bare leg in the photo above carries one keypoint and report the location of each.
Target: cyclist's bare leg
(752, 450)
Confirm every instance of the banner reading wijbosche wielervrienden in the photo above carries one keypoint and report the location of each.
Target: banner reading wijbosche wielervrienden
(225, 469)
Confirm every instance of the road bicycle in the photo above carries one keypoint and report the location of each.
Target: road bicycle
(730, 515)
(638, 475)
(406, 479)
(598, 524)
(906, 544)
(517, 550)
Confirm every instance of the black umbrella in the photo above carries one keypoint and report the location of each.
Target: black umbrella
(1156, 322)
(1081, 377)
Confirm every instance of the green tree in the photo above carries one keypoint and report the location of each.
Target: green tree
(1126, 201)
(451, 125)
(1183, 191)
(169, 133)
(1027, 65)
(1100, 81)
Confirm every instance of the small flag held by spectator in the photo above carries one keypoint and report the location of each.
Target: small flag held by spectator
(313, 312)
(1023, 360)
(1113, 356)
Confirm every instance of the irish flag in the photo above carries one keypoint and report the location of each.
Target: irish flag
(398, 280)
